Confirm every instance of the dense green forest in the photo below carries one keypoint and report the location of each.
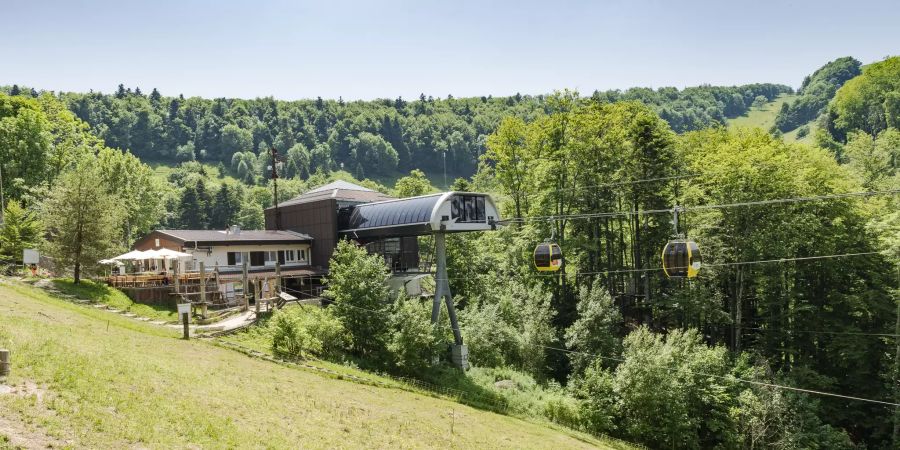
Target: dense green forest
(367, 138)
(608, 344)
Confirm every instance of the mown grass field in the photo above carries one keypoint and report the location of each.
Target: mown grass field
(764, 118)
(92, 379)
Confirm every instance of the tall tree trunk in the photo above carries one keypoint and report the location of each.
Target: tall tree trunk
(738, 307)
(896, 435)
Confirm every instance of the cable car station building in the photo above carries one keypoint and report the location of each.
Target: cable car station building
(390, 228)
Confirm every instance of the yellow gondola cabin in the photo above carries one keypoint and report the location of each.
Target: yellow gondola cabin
(681, 259)
(548, 257)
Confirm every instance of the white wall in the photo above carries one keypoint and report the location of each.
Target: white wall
(219, 254)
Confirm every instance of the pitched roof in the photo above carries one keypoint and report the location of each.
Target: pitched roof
(339, 184)
(340, 190)
(244, 236)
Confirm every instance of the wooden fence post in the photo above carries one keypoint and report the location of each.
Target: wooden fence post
(175, 265)
(277, 277)
(202, 282)
(4, 363)
(257, 295)
(245, 288)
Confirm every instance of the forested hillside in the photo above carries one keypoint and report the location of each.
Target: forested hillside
(368, 138)
(816, 91)
(788, 337)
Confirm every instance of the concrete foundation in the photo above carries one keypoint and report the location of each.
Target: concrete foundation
(459, 355)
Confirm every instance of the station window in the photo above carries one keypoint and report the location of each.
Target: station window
(467, 208)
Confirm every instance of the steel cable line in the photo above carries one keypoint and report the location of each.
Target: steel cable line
(656, 269)
(549, 218)
(629, 182)
(727, 378)
(847, 333)
(722, 377)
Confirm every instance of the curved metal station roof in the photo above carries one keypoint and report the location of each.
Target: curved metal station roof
(404, 217)
(413, 216)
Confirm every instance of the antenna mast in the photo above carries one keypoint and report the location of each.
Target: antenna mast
(274, 153)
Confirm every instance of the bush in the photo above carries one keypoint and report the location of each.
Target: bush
(304, 332)
(290, 339)
(596, 330)
(324, 326)
(185, 152)
(414, 341)
(598, 403)
(564, 411)
(489, 338)
(356, 285)
(803, 131)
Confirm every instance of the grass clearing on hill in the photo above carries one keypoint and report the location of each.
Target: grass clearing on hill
(765, 118)
(762, 117)
(105, 381)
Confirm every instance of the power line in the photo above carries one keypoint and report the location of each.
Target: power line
(847, 333)
(727, 378)
(730, 378)
(626, 183)
(548, 218)
(740, 263)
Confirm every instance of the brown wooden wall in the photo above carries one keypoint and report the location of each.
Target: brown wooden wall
(149, 242)
(317, 219)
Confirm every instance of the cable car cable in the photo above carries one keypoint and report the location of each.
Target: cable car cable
(728, 378)
(863, 194)
(848, 333)
(653, 269)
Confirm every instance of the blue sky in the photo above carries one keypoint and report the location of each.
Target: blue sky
(365, 50)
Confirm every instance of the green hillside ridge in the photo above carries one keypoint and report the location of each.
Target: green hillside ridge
(764, 117)
(96, 380)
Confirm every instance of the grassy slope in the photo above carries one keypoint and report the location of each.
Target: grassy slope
(111, 382)
(765, 117)
(101, 293)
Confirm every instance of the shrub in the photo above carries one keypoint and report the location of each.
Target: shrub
(564, 411)
(414, 341)
(290, 338)
(356, 285)
(596, 330)
(489, 338)
(304, 332)
(325, 327)
(597, 400)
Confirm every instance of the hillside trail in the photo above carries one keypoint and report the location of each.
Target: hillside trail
(229, 324)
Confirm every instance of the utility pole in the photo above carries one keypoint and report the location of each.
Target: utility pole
(275, 186)
(445, 169)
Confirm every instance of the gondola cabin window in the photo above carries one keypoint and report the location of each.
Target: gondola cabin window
(467, 208)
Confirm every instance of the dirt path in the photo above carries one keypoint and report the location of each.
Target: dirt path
(15, 433)
(231, 323)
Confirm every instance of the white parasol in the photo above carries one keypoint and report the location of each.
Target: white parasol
(133, 255)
